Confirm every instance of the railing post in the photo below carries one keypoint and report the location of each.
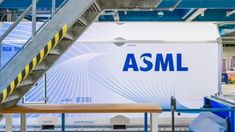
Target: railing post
(53, 6)
(145, 122)
(8, 124)
(153, 122)
(45, 88)
(0, 55)
(34, 9)
(173, 108)
(63, 122)
(23, 122)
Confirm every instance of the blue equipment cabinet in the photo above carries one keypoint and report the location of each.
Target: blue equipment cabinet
(225, 101)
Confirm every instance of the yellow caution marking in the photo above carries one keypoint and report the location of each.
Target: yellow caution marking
(12, 86)
(41, 55)
(19, 78)
(26, 71)
(4, 92)
(34, 62)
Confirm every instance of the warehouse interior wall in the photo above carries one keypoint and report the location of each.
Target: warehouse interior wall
(228, 54)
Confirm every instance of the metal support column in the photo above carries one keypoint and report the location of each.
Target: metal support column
(1, 55)
(153, 122)
(63, 122)
(220, 64)
(45, 88)
(53, 6)
(9, 15)
(9, 124)
(23, 122)
(34, 9)
(173, 108)
(145, 122)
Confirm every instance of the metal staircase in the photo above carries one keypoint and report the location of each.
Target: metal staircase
(40, 52)
(43, 50)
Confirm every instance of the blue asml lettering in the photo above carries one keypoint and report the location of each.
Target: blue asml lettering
(160, 63)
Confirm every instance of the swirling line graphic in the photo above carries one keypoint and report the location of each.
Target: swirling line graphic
(85, 65)
(136, 88)
(71, 79)
(66, 82)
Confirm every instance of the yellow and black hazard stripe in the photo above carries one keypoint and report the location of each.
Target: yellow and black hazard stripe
(36, 60)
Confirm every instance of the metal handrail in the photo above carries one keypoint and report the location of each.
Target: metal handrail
(29, 40)
(4, 35)
(44, 24)
(202, 110)
(174, 108)
(48, 19)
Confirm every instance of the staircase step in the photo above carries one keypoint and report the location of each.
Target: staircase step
(69, 36)
(9, 103)
(80, 22)
(55, 51)
(41, 66)
(23, 89)
(27, 81)
(13, 97)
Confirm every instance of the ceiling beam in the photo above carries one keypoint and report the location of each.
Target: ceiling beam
(196, 14)
(185, 4)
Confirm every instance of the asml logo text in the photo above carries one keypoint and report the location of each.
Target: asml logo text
(158, 62)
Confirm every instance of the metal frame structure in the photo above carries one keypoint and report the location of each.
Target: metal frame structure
(153, 122)
(44, 35)
(87, 108)
(220, 60)
(55, 25)
(78, 15)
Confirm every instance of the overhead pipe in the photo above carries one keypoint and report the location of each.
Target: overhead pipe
(229, 13)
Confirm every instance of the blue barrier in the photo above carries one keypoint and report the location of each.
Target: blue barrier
(202, 110)
(220, 107)
(227, 110)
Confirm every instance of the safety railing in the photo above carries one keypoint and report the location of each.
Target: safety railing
(185, 110)
(17, 22)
